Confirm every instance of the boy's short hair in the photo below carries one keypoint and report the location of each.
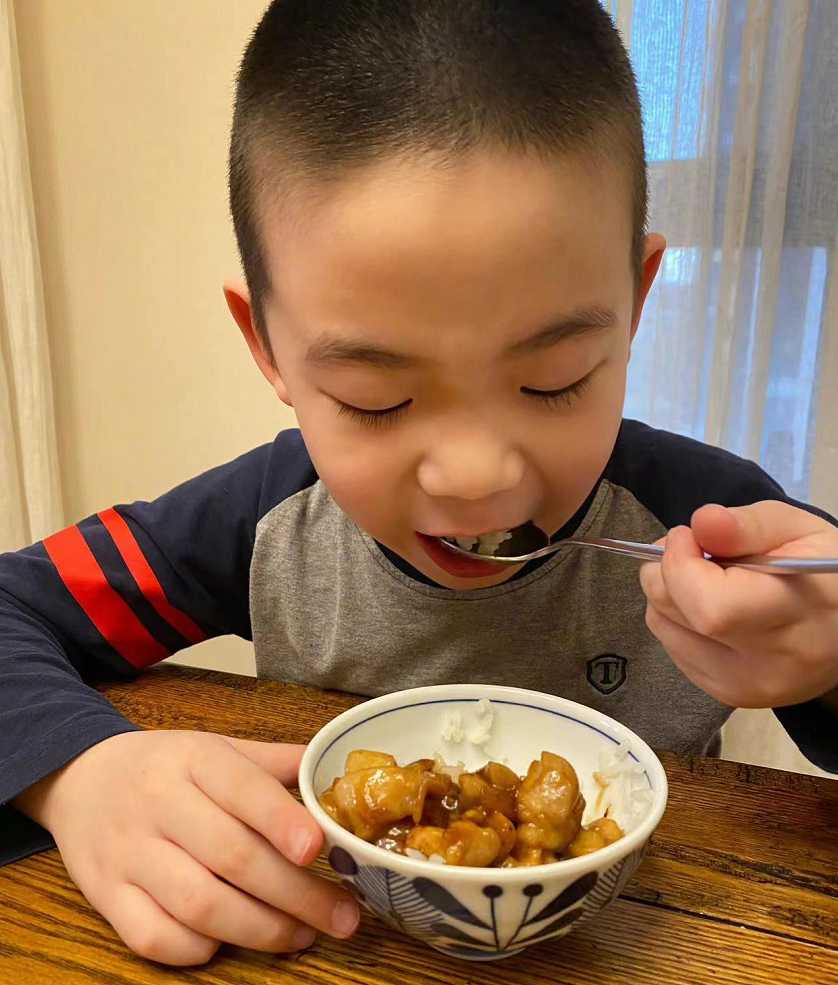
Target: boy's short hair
(326, 86)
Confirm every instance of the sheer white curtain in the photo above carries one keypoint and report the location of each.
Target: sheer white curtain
(739, 342)
(30, 501)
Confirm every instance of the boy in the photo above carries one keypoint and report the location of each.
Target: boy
(440, 206)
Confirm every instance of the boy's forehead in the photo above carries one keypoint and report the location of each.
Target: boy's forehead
(411, 226)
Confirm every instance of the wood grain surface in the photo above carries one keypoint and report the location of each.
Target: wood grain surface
(740, 884)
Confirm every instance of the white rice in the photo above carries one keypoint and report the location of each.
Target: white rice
(489, 543)
(452, 728)
(486, 544)
(619, 790)
(480, 732)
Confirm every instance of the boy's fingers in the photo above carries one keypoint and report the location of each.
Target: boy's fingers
(657, 594)
(756, 529)
(152, 933)
(723, 604)
(683, 581)
(231, 850)
(280, 759)
(245, 790)
(198, 900)
(708, 664)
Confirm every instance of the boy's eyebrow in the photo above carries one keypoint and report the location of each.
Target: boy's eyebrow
(329, 350)
(579, 322)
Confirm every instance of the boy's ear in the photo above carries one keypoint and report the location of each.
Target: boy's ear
(653, 250)
(238, 301)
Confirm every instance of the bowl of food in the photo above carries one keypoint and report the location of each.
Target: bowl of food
(482, 819)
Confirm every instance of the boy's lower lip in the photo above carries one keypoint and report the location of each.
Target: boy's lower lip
(456, 564)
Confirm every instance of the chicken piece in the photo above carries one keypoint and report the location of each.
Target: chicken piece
(371, 800)
(425, 764)
(506, 830)
(427, 839)
(478, 815)
(363, 759)
(597, 835)
(550, 805)
(471, 788)
(329, 805)
(527, 855)
(466, 843)
(476, 791)
(439, 784)
(608, 828)
(500, 776)
(463, 843)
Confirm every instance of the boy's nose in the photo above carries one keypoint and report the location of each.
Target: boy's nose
(470, 468)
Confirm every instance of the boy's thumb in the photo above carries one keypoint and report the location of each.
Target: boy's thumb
(735, 531)
(280, 759)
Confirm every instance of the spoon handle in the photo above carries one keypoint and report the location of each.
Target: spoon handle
(768, 563)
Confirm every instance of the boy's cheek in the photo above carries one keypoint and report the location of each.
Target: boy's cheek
(363, 482)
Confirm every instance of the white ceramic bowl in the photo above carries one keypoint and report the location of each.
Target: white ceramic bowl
(480, 913)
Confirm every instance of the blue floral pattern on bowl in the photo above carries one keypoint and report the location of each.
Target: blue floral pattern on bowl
(425, 909)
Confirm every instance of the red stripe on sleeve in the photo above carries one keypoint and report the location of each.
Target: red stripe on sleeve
(103, 605)
(145, 577)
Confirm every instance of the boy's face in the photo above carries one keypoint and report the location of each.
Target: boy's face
(431, 291)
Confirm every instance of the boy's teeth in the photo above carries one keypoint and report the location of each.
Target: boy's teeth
(485, 544)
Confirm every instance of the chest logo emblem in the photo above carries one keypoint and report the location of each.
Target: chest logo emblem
(607, 672)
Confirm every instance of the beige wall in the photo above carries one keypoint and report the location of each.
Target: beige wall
(128, 109)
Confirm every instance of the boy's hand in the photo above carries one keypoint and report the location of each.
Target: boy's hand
(182, 840)
(750, 640)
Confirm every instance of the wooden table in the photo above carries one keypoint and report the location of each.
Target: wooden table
(740, 884)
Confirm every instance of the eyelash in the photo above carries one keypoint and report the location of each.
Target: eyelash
(566, 396)
(389, 416)
(374, 418)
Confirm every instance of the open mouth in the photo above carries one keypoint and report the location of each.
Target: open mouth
(521, 539)
(482, 549)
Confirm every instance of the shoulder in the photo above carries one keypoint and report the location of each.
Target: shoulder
(672, 476)
(253, 483)
(285, 469)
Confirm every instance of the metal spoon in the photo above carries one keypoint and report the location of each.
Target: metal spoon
(651, 552)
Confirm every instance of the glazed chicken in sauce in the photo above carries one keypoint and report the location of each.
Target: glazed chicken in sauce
(489, 818)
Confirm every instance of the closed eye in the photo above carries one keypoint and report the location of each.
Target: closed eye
(564, 396)
(374, 418)
(389, 415)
